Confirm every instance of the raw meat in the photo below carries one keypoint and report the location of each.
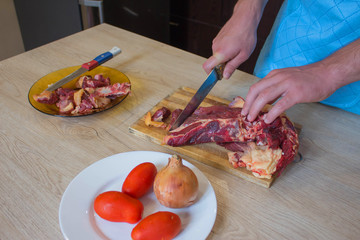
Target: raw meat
(46, 97)
(112, 91)
(92, 94)
(158, 118)
(161, 114)
(262, 148)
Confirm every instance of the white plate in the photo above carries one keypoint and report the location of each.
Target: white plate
(79, 221)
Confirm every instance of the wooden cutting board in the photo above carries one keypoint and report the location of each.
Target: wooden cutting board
(209, 153)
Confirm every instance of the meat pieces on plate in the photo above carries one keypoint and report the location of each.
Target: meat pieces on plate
(91, 94)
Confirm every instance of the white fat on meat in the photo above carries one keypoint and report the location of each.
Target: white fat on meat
(261, 160)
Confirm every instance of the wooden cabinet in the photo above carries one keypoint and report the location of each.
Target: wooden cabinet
(190, 25)
(44, 21)
(195, 23)
(147, 18)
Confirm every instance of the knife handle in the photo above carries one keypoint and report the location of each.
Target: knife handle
(220, 70)
(101, 58)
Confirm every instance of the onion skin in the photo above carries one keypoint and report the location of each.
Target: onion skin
(176, 186)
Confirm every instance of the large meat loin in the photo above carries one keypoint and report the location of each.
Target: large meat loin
(262, 148)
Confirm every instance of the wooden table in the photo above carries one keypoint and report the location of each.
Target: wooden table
(316, 198)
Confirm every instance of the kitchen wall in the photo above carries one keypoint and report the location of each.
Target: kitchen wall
(11, 42)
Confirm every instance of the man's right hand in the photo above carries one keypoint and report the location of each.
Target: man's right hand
(237, 39)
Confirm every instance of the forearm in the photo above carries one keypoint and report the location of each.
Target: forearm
(249, 11)
(343, 67)
(309, 83)
(237, 38)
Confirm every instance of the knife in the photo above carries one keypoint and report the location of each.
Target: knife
(214, 76)
(86, 67)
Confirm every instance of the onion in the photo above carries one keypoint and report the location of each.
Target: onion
(176, 186)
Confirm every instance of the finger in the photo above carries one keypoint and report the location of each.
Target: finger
(253, 93)
(233, 64)
(270, 79)
(281, 106)
(272, 73)
(214, 60)
(209, 63)
(263, 98)
(250, 98)
(229, 69)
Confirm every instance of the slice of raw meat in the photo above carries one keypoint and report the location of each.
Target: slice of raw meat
(46, 97)
(112, 91)
(161, 114)
(66, 102)
(158, 118)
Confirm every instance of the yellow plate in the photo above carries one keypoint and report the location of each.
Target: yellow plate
(43, 83)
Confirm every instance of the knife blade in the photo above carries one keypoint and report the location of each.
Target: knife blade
(102, 58)
(214, 76)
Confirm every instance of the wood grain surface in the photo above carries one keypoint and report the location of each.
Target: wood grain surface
(315, 198)
(209, 153)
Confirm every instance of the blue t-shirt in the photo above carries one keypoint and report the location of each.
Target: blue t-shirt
(307, 31)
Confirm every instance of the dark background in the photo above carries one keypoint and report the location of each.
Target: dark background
(190, 25)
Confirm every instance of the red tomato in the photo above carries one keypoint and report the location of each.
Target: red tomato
(116, 206)
(159, 225)
(140, 180)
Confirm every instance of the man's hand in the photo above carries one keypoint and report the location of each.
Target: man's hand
(289, 86)
(237, 39)
(310, 83)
